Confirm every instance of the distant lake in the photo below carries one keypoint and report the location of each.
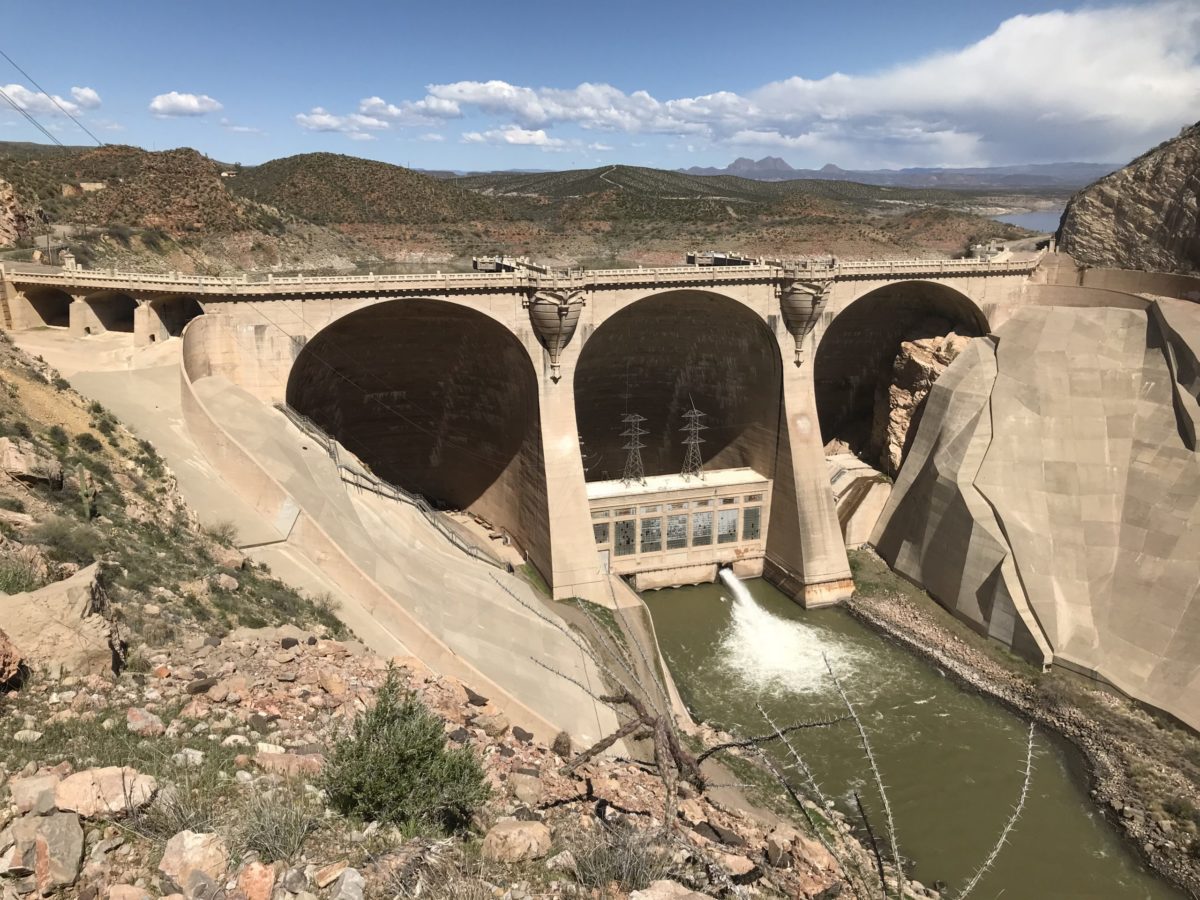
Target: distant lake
(1043, 221)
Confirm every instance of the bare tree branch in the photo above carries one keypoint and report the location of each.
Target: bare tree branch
(1012, 820)
(862, 812)
(767, 738)
(887, 806)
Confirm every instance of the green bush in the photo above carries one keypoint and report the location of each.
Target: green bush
(395, 768)
(18, 576)
(274, 824)
(623, 854)
(67, 542)
(58, 435)
(87, 441)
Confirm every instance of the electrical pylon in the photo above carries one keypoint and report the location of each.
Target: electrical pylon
(634, 470)
(692, 463)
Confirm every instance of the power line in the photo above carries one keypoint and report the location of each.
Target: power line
(634, 470)
(692, 463)
(52, 99)
(28, 115)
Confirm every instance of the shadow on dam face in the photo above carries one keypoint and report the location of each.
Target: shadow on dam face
(853, 366)
(658, 356)
(436, 398)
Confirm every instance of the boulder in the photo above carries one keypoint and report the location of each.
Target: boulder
(528, 789)
(127, 892)
(50, 848)
(349, 886)
(64, 627)
(25, 462)
(511, 840)
(256, 881)
(10, 661)
(34, 794)
(189, 854)
(143, 722)
(105, 792)
(494, 725)
(666, 890)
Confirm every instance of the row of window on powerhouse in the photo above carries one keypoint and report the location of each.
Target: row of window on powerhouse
(646, 535)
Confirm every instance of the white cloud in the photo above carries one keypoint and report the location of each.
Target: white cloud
(1095, 83)
(40, 104)
(433, 137)
(175, 104)
(429, 111)
(233, 127)
(600, 147)
(514, 135)
(86, 97)
(356, 126)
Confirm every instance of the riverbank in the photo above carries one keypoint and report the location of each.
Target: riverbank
(1144, 769)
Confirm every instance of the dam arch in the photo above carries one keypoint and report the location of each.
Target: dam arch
(855, 352)
(110, 311)
(50, 306)
(437, 398)
(669, 350)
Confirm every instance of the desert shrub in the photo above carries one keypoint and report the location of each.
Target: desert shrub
(17, 576)
(274, 824)
(13, 504)
(88, 442)
(60, 383)
(223, 532)
(191, 804)
(67, 542)
(58, 435)
(623, 854)
(394, 767)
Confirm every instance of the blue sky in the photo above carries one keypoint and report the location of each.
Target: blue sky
(563, 85)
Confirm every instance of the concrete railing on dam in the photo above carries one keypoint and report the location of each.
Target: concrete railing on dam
(245, 285)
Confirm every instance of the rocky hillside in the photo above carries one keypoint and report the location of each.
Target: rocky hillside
(13, 223)
(329, 188)
(1144, 216)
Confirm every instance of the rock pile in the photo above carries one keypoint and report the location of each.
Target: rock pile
(272, 702)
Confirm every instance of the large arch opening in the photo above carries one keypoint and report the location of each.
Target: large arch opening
(176, 312)
(113, 310)
(438, 399)
(51, 306)
(857, 364)
(658, 356)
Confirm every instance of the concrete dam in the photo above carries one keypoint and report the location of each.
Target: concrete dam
(1072, 414)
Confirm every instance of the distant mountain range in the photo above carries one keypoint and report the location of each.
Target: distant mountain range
(1045, 175)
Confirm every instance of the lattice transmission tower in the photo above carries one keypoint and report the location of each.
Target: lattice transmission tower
(692, 463)
(634, 470)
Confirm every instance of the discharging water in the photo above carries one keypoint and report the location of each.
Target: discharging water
(951, 759)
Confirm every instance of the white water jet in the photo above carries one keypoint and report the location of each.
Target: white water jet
(773, 655)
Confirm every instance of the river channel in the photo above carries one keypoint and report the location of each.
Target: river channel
(952, 759)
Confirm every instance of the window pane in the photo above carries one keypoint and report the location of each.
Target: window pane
(753, 498)
(599, 513)
(701, 504)
(727, 526)
(728, 501)
(751, 523)
(625, 534)
(627, 511)
(701, 529)
(675, 506)
(651, 535)
(676, 532)
(645, 510)
(600, 530)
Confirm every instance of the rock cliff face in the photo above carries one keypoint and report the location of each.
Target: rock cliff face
(916, 368)
(1144, 216)
(13, 223)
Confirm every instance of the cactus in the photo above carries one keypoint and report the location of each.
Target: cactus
(87, 492)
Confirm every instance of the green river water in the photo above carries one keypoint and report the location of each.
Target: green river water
(952, 760)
